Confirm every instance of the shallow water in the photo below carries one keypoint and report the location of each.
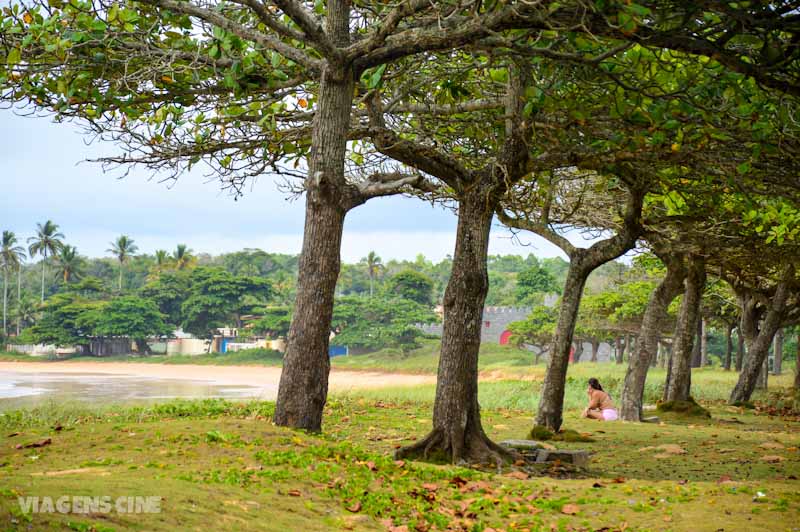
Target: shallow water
(30, 389)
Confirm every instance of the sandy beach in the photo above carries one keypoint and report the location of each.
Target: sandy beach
(259, 376)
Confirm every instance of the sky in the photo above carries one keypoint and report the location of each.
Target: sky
(44, 176)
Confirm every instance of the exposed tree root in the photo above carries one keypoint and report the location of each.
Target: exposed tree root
(472, 448)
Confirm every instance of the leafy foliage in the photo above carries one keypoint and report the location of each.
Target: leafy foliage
(411, 285)
(375, 323)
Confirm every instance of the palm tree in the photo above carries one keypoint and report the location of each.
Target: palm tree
(123, 249)
(27, 310)
(182, 256)
(11, 257)
(69, 263)
(162, 260)
(374, 265)
(47, 240)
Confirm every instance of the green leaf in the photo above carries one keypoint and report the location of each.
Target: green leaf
(13, 57)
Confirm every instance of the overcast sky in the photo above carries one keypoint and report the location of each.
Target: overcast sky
(43, 177)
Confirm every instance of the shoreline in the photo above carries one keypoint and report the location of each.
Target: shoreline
(258, 376)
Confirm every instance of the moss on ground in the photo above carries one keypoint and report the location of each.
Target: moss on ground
(225, 463)
(540, 433)
(688, 408)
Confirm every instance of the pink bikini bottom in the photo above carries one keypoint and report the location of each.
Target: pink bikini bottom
(609, 414)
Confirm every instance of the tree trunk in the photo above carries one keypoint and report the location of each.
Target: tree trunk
(303, 387)
(142, 347)
(551, 402)
(697, 356)
(778, 353)
(797, 363)
(740, 348)
(703, 343)
(726, 363)
(619, 349)
(685, 331)
(595, 349)
(120, 277)
(5, 300)
(457, 430)
(19, 295)
(668, 380)
(647, 346)
(578, 351)
(761, 382)
(758, 341)
(44, 260)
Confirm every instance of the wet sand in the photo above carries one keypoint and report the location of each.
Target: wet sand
(24, 382)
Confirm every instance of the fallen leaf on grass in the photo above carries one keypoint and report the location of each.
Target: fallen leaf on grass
(519, 475)
(13, 434)
(570, 509)
(618, 480)
(771, 445)
(33, 445)
(355, 507)
(667, 448)
(400, 463)
(401, 528)
(772, 458)
(458, 482)
(430, 486)
(723, 478)
(294, 493)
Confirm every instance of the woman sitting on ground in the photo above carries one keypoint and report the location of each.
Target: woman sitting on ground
(600, 406)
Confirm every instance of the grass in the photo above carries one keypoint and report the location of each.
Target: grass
(222, 462)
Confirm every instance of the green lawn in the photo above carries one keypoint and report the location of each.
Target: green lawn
(224, 463)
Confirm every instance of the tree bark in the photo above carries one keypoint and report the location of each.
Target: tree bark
(685, 331)
(639, 361)
(758, 341)
(778, 353)
(457, 429)
(740, 348)
(551, 402)
(19, 295)
(619, 349)
(5, 300)
(797, 362)
(726, 363)
(703, 343)
(696, 346)
(595, 349)
(44, 260)
(578, 351)
(303, 387)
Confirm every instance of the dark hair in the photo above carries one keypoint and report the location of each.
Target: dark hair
(595, 384)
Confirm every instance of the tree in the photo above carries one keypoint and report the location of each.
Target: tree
(535, 281)
(69, 264)
(274, 322)
(374, 266)
(60, 322)
(11, 257)
(127, 317)
(169, 291)
(123, 249)
(288, 71)
(411, 285)
(182, 257)
(216, 297)
(47, 241)
(376, 323)
(646, 348)
(538, 329)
